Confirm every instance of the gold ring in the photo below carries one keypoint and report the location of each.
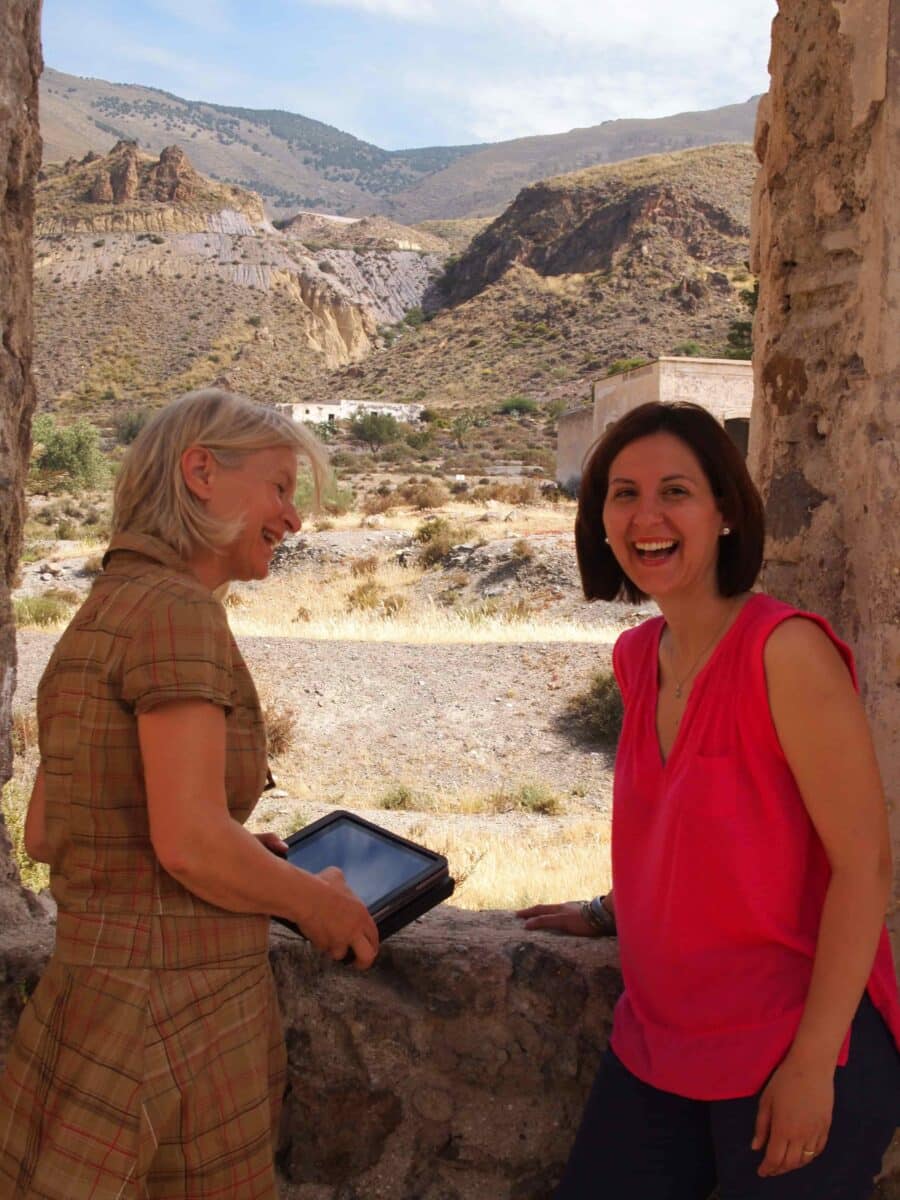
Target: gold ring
(809, 1153)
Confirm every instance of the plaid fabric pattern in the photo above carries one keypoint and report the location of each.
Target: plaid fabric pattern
(149, 1064)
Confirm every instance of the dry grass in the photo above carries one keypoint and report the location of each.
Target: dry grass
(503, 862)
(14, 805)
(386, 608)
(538, 864)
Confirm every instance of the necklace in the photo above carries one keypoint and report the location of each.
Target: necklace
(679, 683)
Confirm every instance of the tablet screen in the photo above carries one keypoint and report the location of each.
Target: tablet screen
(373, 865)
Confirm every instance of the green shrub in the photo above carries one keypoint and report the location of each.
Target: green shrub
(375, 428)
(597, 712)
(688, 349)
(414, 317)
(625, 364)
(40, 610)
(335, 498)
(518, 404)
(398, 797)
(72, 452)
(529, 797)
(436, 539)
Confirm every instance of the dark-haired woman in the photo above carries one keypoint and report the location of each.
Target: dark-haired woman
(755, 1044)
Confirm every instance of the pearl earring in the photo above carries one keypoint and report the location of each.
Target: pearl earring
(726, 529)
(606, 539)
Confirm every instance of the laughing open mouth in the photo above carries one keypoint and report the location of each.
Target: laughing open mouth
(656, 549)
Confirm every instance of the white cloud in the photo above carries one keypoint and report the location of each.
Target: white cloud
(548, 66)
(213, 16)
(643, 25)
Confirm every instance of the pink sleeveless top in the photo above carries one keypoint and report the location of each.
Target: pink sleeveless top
(719, 874)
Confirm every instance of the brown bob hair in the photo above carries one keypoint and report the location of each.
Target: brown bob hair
(740, 553)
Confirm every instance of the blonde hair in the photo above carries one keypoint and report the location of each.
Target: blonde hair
(151, 496)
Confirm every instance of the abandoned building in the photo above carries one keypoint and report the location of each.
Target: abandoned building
(723, 386)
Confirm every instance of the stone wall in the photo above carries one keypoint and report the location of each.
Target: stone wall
(20, 149)
(826, 242)
(574, 435)
(824, 432)
(455, 1070)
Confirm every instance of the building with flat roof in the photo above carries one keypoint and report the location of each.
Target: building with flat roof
(325, 413)
(724, 386)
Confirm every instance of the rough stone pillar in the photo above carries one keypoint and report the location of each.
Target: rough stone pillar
(824, 434)
(20, 150)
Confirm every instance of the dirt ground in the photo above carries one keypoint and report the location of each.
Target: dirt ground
(441, 720)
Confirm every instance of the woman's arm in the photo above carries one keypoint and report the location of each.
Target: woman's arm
(823, 731)
(204, 848)
(36, 845)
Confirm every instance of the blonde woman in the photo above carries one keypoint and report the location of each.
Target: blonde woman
(150, 1060)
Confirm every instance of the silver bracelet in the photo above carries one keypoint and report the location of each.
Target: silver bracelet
(598, 916)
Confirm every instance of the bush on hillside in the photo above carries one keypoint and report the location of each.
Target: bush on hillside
(130, 423)
(72, 452)
(518, 404)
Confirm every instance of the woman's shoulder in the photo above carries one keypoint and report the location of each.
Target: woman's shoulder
(790, 638)
(632, 648)
(632, 640)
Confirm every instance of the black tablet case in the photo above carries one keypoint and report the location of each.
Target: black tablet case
(401, 911)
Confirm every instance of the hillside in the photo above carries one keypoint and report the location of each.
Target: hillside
(630, 260)
(294, 162)
(151, 279)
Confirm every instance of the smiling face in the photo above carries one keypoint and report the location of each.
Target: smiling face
(259, 492)
(662, 519)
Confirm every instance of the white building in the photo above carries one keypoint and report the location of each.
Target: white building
(724, 386)
(316, 414)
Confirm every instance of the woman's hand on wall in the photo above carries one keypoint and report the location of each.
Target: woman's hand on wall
(557, 918)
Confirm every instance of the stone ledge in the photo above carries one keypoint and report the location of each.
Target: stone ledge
(455, 1069)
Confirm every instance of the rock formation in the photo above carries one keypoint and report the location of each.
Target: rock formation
(692, 205)
(20, 151)
(114, 191)
(824, 440)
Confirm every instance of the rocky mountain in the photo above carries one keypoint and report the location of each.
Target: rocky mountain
(634, 259)
(151, 279)
(126, 189)
(294, 162)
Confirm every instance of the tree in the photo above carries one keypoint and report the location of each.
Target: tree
(73, 452)
(740, 333)
(375, 428)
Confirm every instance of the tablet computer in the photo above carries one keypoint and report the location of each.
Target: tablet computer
(398, 880)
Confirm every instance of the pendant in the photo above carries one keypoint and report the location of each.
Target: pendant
(677, 691)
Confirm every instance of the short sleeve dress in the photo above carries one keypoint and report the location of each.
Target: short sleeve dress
(149, 1063)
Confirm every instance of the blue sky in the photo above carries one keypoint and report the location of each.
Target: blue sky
(404, 73)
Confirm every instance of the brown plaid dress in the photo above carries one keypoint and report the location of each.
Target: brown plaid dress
(149, 1062)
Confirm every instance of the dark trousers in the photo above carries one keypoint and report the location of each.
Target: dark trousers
(639, 1143)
